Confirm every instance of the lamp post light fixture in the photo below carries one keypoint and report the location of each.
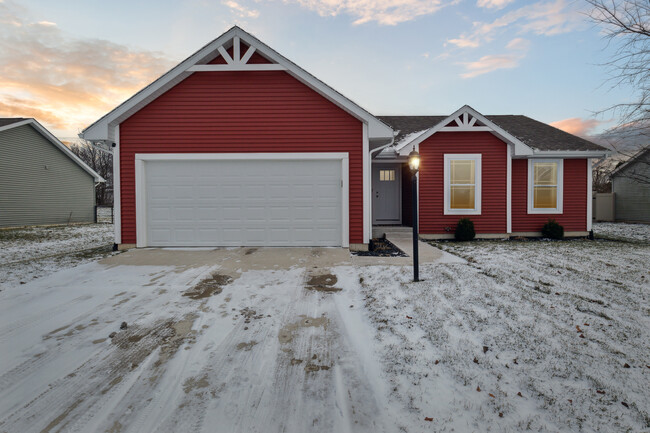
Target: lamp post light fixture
(414, 165)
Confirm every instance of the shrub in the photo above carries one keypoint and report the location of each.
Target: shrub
(465, 230)
(553, 230)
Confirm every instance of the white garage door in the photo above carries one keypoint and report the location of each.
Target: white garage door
(243, 202)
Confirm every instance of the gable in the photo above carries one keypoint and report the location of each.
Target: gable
(24, 148)
(46, 137)
(237, 49)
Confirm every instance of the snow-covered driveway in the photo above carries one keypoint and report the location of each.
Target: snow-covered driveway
(257, 351)
(526, 335)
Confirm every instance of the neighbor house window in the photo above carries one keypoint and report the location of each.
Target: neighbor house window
(386, 175)
(462, 184)
(545, 185)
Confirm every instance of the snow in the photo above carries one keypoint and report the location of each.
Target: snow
(265, 354)
(633, 232)
(409, 137)
(33, 252)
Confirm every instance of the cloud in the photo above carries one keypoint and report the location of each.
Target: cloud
(577, 126)
(386, 12)
(64, 82)
(240, 10)
(543, 18)
(493, 4)
(518, 49)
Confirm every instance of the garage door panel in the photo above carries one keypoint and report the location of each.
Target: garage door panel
(243, 202)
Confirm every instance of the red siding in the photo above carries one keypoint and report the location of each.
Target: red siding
(240, 112)
(574, 216)
(494, 176)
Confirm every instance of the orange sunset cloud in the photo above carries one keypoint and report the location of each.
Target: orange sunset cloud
(66, 83)
(576, 126)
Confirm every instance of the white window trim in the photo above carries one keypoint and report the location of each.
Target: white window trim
(560, 187)
(476, 157)
(140, 191)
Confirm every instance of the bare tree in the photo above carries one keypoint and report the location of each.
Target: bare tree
(626, 24)
(101, 161)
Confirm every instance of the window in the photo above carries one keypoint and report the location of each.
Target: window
(545, 185)
(462, 184)
(386, 175)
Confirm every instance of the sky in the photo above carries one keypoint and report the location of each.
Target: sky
(68, 62)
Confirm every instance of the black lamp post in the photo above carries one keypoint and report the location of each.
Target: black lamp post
(414, 165)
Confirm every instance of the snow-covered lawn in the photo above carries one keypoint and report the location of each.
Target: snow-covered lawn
(633, 232)
(526, 336)
(34, 252)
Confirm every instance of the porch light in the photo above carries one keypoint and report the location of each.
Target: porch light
(414, 165)
(414, 160)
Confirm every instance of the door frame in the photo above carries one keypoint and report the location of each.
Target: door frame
(398, 176)
(140, 189)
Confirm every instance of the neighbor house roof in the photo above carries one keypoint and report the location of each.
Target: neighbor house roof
(535, 134)
(103, 129)
(642, 155)
(10, 123)
(4, 121)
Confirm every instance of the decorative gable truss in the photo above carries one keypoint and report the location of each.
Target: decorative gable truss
(466, 119)
(235, 61)
(464, 122)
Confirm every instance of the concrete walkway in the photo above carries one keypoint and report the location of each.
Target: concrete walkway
(402, 238)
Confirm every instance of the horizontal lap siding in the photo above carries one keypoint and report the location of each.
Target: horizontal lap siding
(574, 216)
(238, 112)
(494, 178)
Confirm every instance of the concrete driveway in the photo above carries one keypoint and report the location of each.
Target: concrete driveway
(215, 340)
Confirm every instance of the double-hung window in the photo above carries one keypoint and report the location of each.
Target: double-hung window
(462, 174)
(545, 185)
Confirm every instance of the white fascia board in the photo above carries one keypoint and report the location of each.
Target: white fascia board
(56, 142)
(102, 129)
(520, 148)
(570, 154)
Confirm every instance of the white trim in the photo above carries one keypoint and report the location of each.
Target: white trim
(520, 148)
(509, 190)
(57, 143)
(100, 130)
(140, 204)
(239, 156)
(249, 53)
(140, 193)
(570, 154)
(560, 188)
(237, 67)
(589, 194)
(477, 158)
(225, 55)
(117, 203)
(367, 185)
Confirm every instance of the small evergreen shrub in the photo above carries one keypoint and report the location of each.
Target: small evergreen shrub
(553, 230)
(465, 230)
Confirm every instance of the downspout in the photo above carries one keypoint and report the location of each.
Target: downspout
(392, 141)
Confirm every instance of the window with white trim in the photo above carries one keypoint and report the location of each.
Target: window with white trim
(462, 174)
(545, 185)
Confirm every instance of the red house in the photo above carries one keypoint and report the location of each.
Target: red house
(238, 146)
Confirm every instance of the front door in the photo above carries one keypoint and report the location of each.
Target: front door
(386, 191)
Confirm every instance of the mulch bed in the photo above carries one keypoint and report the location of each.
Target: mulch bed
(380, 247)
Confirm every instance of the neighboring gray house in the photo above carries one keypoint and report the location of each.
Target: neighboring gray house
(631, 186)
(41, 180)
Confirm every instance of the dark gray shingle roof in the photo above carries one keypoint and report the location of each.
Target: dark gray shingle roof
(533, 133)
(4, 121)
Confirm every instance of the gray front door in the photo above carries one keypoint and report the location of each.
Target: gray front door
(386, 192)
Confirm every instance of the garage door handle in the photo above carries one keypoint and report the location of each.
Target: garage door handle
(377, 194)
